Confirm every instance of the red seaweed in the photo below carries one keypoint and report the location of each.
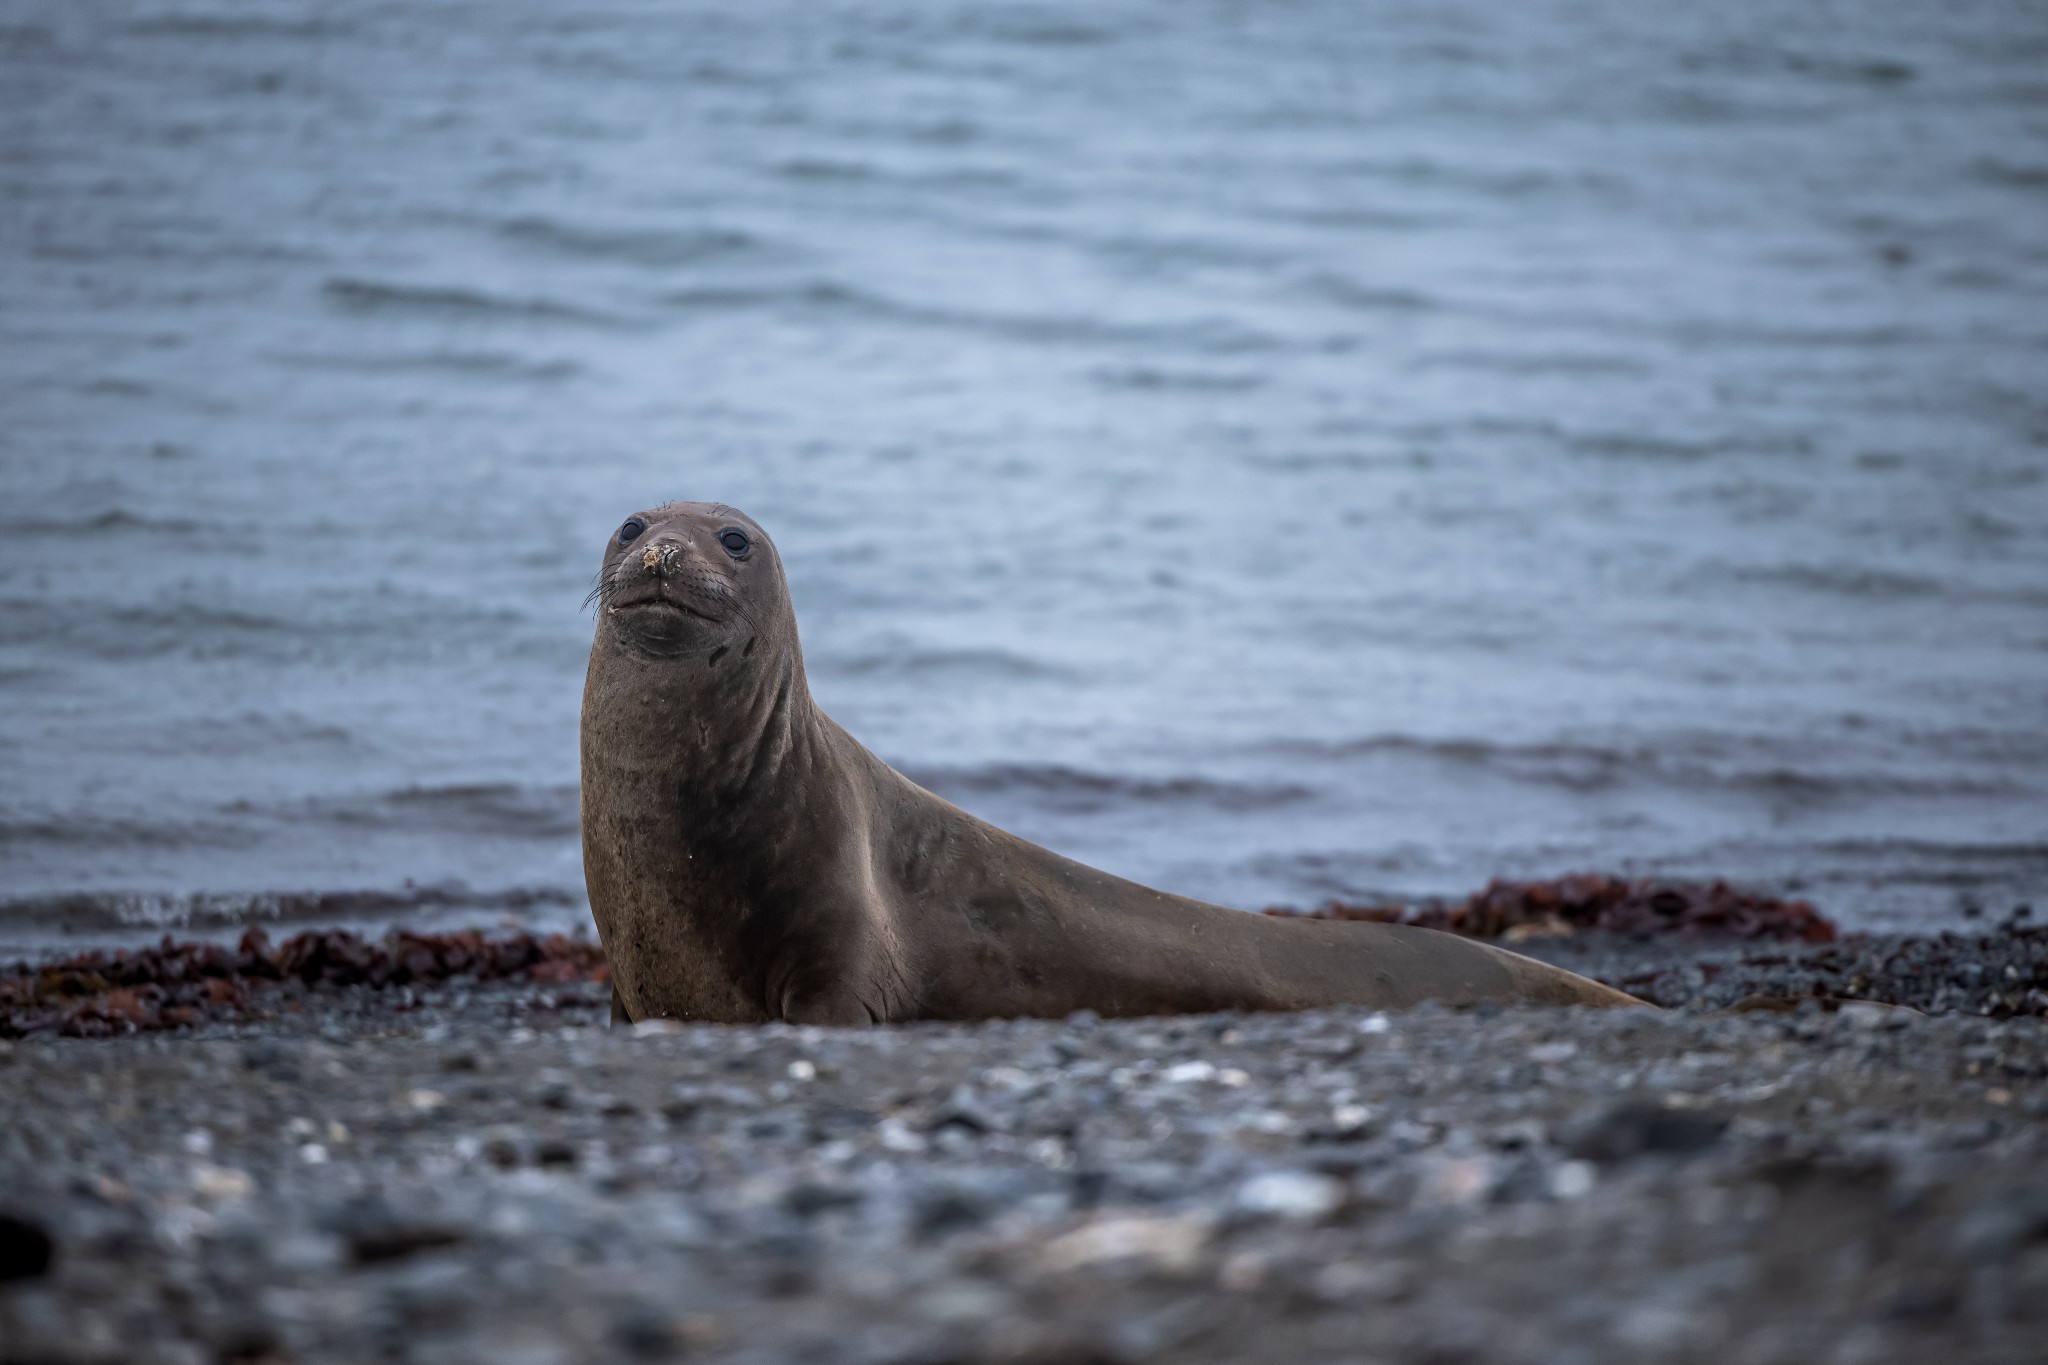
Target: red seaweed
(1582, 901)
(173, 984)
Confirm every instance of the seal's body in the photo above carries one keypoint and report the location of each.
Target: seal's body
(748, 860)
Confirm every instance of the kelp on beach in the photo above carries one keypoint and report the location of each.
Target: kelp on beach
(1592, 901)
(179, 983)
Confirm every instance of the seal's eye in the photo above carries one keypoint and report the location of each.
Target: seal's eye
(630, 532)
(735, 542)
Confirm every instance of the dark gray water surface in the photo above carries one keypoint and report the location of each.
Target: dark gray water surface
(1271, 451)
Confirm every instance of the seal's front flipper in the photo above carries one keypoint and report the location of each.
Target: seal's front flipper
(619, 1015)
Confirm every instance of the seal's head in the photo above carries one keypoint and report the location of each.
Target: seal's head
(689, 578)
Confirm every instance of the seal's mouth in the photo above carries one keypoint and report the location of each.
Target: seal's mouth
(655, 599)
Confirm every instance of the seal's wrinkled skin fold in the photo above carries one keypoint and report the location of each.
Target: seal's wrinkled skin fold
(748, 860)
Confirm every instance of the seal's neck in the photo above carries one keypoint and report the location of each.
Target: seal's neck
(729, 731)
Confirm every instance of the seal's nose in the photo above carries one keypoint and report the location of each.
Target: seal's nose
(657, 558)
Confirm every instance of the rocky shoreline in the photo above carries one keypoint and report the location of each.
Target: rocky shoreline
(479, 1169)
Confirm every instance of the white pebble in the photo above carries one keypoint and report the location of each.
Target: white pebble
(1290, 1194)
(895, 1135)
(1573, 1179)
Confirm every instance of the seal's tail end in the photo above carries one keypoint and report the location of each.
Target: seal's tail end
(1557, 986)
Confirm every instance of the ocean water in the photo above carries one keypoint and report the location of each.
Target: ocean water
(1273, 451)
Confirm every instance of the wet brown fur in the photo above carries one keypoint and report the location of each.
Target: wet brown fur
(748, 860)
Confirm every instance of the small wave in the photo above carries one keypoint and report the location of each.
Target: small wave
(1993, 171)
(1145, 378)
(815, 294)
(714, 72)
(115, 386)
(123, 632)
(26, 37)
(1308, 461)
(1575, 767)
(1508, 362)
(1205, 335)
(283, 627)
(1841, 580)
(492, 363)
(1368, 298)
(641, 246)
(1390, 874)
(910, 663)
(1077, 791)
(941, 132)
(1212, 335)
(822, 168)
(1487, 181)
(490, 809)
(1357, 217)
(1147, 252)
(1591, 767)
(479, 810)
(1723, 332)
(2028, 853)
(374, 296)
(215, 24)
(1749, 58)
(252, 733)
(1034, 29)
(114, 519)
(1631, 445)
(134, 831)
(79, 912)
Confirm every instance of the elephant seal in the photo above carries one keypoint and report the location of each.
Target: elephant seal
(748, 860)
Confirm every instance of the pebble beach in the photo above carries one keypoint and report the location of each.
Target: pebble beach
(484, 1170)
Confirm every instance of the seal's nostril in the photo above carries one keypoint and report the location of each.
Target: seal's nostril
(652, 557)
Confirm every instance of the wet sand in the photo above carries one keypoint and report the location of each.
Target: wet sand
(484, 1171)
